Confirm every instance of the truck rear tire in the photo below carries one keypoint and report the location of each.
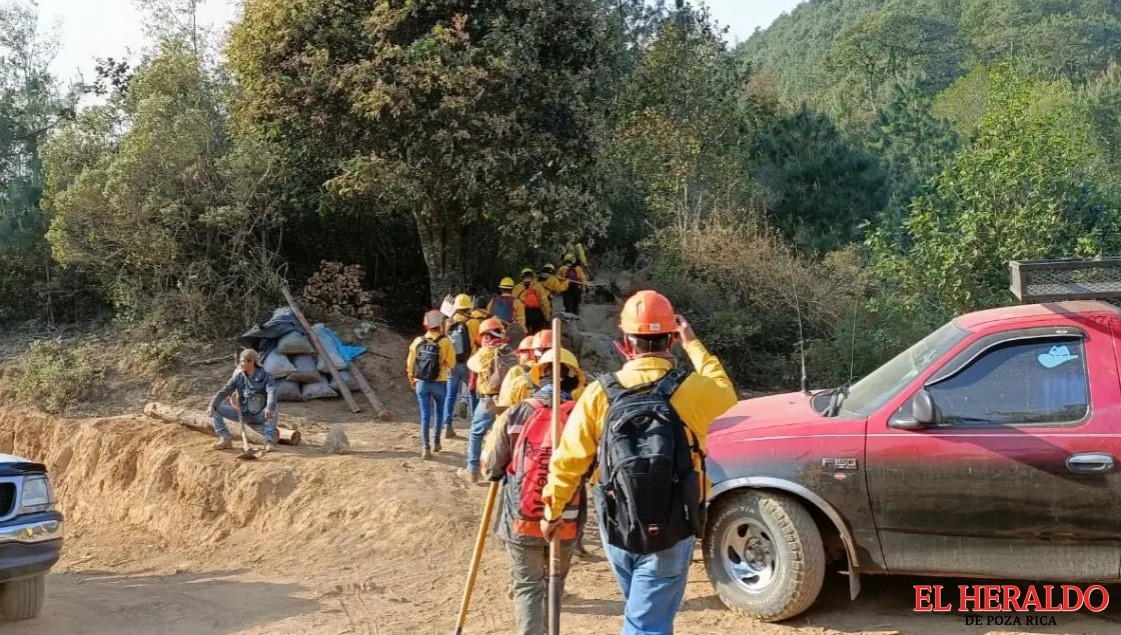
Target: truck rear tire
(764, 555)
(22, 599)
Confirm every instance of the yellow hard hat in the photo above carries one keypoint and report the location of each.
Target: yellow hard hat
(545, 364)
(549, 268)
(462, 302)
(570, 257)
(528, 271)
(507, 283)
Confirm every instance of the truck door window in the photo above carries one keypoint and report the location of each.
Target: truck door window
(1041, 381)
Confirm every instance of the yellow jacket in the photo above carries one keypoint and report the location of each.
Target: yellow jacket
(702, 397)
(472, 328)
(581, 275)
(447, 355)
(554, 285)
(542, 295)
(519, 310)
(516, 387)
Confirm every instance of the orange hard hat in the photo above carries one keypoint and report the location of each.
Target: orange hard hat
(526, 345)
(648, 313)
(491, 325)
(543, 339)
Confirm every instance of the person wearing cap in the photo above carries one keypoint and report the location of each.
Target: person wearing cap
(552, 285)
(430, 362)
(572, 272)
(506, 306)
(526, 548)
(256, 399)
(484, 363)
(535, 300)
(463, 331)
(653, 585)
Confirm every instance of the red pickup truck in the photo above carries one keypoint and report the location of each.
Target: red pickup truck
(988, 449)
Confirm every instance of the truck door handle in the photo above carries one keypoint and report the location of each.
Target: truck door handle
(1090, 463)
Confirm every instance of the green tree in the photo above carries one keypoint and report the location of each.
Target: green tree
(1021, 190)
(913, 145)
(152, 195)
(821, 186)
(477, 122)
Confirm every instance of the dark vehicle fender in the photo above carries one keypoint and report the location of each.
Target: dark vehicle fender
(808, 497)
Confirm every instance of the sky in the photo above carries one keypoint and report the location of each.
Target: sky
(112, 28)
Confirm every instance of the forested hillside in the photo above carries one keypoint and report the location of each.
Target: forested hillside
(869, 166)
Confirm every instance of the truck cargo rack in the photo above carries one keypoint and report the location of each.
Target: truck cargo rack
(1038, 281)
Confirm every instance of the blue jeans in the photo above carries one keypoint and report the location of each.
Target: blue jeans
(481, 422)
(653, 585)
(226, 411)
(430, 396)
(457, 380)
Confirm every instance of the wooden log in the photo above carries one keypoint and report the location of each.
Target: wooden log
(343, 390)
(196, 420)
(371, 396)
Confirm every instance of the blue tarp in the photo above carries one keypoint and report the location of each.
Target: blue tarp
(346, 351)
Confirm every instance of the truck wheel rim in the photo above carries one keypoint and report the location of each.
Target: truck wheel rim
(749, 555)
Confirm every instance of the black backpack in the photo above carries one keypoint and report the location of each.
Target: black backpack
(427, 364)
(460, 336)
(649, 495)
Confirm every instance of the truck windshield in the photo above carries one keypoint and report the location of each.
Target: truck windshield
(873, 391)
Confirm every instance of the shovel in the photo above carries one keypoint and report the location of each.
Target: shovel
(247, 453)
(556, 581)
(476, 557)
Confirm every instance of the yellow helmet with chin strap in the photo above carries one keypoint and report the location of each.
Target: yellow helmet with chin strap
(506, 284)
(545, 365)
(462, 302)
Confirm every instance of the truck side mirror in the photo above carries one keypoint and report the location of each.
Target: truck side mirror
(921, 413)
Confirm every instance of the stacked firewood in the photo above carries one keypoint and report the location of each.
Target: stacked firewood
(337, 288)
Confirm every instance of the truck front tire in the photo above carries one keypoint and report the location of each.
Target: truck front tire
(22, 599)
(764, 555)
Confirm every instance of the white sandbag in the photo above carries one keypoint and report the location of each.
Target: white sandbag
(278, 365)
(295, 344)
(348, 381)
(305, 372)
(318, 390)
(289, 391)
(331, 349)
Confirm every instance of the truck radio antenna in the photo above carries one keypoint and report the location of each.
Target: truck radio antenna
(801, 335)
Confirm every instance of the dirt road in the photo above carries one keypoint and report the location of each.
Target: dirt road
(168, 536)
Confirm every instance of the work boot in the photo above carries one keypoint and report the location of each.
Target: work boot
(425, 454)
(268, 448)
(436, 448)
(580, 551)
(450, 434)
(468, 475)
(224, 444)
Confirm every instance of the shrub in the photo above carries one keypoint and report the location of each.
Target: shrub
(52, 376)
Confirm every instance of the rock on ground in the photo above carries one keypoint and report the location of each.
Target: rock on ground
(336, 441)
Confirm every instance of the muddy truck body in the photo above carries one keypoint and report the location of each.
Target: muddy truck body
(989, 449)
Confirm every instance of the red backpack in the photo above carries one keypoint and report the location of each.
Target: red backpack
(530, 299)
(530, 471)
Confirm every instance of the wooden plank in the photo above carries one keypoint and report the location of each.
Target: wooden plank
(322, 352)
(196, 420)
(371, 396)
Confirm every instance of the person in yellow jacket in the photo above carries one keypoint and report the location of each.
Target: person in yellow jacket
(653, 584)
(430, 361)
(553, 286)
(535, 301)
(508, 308)
(490, 364)
(463, 333)
(512, 390)
(576, 278)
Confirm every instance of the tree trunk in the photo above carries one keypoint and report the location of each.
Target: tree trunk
(443, 247)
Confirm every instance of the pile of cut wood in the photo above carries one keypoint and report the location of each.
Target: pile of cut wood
(337, 288)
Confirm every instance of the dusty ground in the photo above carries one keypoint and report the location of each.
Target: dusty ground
(167, 536)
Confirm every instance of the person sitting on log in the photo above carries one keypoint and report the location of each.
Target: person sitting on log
(256, 398)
